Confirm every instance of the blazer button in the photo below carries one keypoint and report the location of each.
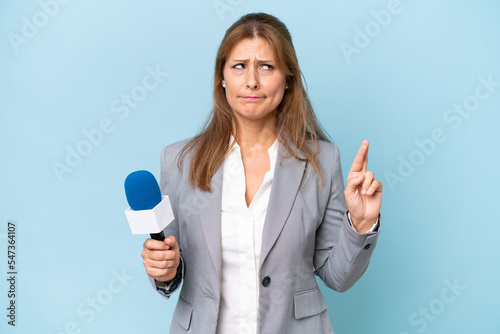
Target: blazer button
(367, 246)
(266, 281)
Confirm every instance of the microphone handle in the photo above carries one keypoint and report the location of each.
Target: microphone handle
(158, 236)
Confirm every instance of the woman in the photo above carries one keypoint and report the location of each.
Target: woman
(259, 201)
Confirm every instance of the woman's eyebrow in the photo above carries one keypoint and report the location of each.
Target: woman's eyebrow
(258, 60)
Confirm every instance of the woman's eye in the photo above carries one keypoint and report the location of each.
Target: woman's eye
(238, 66)
(267, 67)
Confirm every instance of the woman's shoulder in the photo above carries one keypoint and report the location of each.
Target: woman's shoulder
(327, 150)
(176, 146)
(171, 152)
(327, 145)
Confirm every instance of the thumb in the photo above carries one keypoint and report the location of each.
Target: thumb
(170, 242)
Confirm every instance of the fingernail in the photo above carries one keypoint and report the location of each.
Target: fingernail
(363, 191)
(167, 247)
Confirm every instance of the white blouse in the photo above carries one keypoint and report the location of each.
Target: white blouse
(241, 229)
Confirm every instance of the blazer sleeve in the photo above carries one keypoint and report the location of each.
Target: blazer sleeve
(341, 254)
(167, 162)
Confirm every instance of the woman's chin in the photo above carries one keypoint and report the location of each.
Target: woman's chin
(255, 115)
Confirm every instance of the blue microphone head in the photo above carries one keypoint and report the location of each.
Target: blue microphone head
(142, 190)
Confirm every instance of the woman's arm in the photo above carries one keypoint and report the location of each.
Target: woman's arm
(163, 260)
(341, 254)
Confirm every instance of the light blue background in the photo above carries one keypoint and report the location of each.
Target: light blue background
(440, 221)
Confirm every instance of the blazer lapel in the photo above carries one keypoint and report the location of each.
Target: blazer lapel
(288, 173)
(287, 177)
(209, 210)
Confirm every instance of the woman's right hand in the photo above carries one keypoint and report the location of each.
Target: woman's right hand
(161, 258)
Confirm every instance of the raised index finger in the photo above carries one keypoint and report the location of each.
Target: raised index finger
(360, 162)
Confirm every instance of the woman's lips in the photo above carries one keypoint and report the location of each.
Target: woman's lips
(251, 98)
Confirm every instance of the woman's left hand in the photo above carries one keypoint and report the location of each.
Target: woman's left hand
(363, 193)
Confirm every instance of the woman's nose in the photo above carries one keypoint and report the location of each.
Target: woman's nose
(252, 79)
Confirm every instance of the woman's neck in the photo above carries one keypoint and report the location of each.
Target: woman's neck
(255, 135)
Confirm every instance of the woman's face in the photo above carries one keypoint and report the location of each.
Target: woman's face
(253, 83)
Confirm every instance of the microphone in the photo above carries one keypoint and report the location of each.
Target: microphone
(148, 212)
